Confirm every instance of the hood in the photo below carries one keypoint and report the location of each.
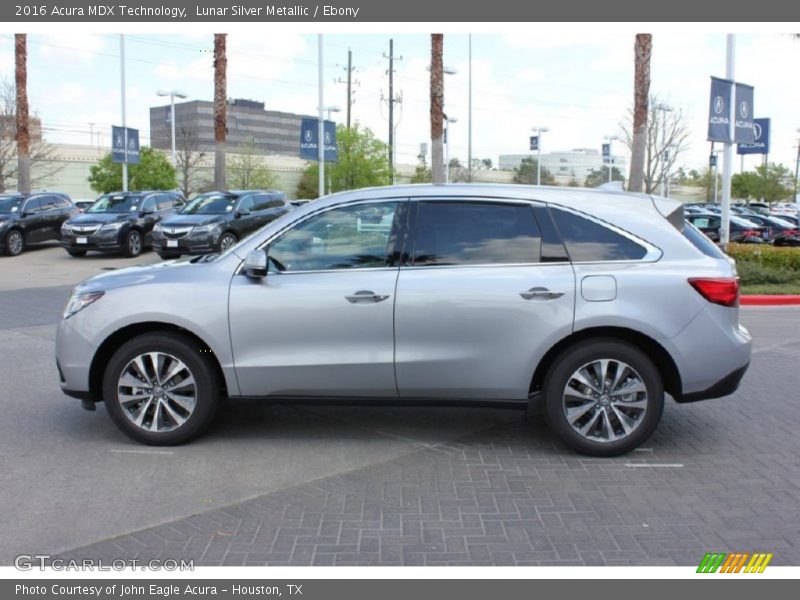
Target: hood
(92, 218)
(137, 275)
(193, 220)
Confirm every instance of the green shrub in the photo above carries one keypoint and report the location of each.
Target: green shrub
(753, 273)
(768, 256)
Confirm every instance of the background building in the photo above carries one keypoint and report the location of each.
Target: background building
(270, 131)
(565, 166)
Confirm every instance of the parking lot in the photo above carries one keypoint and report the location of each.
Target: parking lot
(391, 486)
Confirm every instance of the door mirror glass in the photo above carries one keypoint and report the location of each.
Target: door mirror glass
(242, 212)
(255, 265)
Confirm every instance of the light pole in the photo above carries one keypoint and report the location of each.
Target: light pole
(539, 131)
(329, 110)
(447, 122)
(609, 139)
(797, 167)
(172, 95)
(664, 109)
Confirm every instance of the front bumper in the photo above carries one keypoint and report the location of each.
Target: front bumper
(106, 241)
(202, 243)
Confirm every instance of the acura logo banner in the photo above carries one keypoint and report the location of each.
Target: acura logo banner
(719, 111)
(744, 130)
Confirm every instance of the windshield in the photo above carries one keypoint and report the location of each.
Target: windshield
(115, 203)
(210, 204)
(9, 205)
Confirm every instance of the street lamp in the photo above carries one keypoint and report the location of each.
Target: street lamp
(447, 122)
(609, 139)
(329, 110)
(797, 167)
(172, 95)
(539, 131)
(664, 109)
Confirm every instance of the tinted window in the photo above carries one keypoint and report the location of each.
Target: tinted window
(343, 238)
(149, 203)
(61, 202)
(587, 241)
(164, 202)
(9, 204)
(470, 233)
(212, 203)
(115, 203)
(247, 203)
(32, 206)
(260, 201)
(46, 203)
(265, 201)
(701, 242)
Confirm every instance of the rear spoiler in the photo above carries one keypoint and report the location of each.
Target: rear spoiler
(671, 210)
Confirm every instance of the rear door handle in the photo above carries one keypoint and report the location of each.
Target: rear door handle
(540, 293)
(366, 297)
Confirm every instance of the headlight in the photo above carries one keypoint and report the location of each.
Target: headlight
(80, 301)
(4, 222)
(157, 228)
(113, 226)
(206, 228)
(66, 227)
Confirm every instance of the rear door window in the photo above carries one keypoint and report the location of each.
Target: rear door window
(587, 241)
(474, 232)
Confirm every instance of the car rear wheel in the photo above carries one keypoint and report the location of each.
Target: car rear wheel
(15, 243)
(226, 241)
(76, 253)
(133, 244)
(161, 389)
(603, 397)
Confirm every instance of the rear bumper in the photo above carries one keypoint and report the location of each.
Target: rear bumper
(724, 387)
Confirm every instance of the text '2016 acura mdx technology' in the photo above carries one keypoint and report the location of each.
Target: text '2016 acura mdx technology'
(596, 303)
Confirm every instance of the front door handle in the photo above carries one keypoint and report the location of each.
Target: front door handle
(366, 297)
(540, 293)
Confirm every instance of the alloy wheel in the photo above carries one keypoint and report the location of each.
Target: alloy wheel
(226, 242)
(157, 392)
(605, 400)
(134, 244)
(15, 242)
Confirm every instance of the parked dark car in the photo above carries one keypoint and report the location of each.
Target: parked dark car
(119, 222)
(214, 221)
(775, 226)
(31, 218)
(742, 231)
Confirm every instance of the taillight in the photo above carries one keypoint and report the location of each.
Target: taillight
(749, 232)
(722, 291)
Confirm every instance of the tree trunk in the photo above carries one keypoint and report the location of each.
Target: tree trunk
(220, 108)
(437, 108)
(641, 94)
(23, 123)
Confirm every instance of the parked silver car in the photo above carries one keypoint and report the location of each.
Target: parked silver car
(595, 303)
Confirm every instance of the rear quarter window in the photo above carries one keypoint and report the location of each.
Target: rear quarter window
(700, 241)
(587, 241)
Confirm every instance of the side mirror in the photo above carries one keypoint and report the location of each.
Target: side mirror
(255, 265)
(148, 211)
(242, 212)
(24, 214)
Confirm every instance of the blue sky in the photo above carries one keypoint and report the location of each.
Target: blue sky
(578, 84)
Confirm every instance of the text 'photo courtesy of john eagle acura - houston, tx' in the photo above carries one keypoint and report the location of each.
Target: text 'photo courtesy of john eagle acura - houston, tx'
(592, 304)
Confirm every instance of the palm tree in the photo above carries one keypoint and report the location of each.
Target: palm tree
(641, 93)
(220, 108)
(437, 107)
(23, 133)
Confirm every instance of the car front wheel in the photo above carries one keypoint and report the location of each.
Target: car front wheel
(603, 397)
(15, 242)
(161, 389)
(226, 241)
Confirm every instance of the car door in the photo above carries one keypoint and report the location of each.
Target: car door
(485, 291)
(50, 216)
(32, 220)
(244, 219)
(149, 216)
(320, 323)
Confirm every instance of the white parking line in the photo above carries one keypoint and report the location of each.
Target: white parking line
(656, 465)
(126, 451)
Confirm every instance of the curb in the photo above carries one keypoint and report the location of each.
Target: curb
(770, 300)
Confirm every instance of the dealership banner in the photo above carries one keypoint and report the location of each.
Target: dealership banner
(744, 132)
(124, 147)
(719, 110)
(383, 11)
(761, 143)
(309, 134)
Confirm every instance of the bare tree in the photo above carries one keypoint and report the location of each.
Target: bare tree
(220, 108)
(41, 154)
(188, 158)
(247, 171)
(437, 107)
(666, 138)
(23, 122)
(641, 92)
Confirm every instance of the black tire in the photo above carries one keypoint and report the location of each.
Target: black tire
(15, 243)
(227, 240)
(133, 244)
(76, 253)
(199, 365)
(569, 362)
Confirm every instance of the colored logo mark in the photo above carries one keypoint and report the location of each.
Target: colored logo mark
(737, 562)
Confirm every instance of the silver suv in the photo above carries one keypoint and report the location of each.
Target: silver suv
(595, 303)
